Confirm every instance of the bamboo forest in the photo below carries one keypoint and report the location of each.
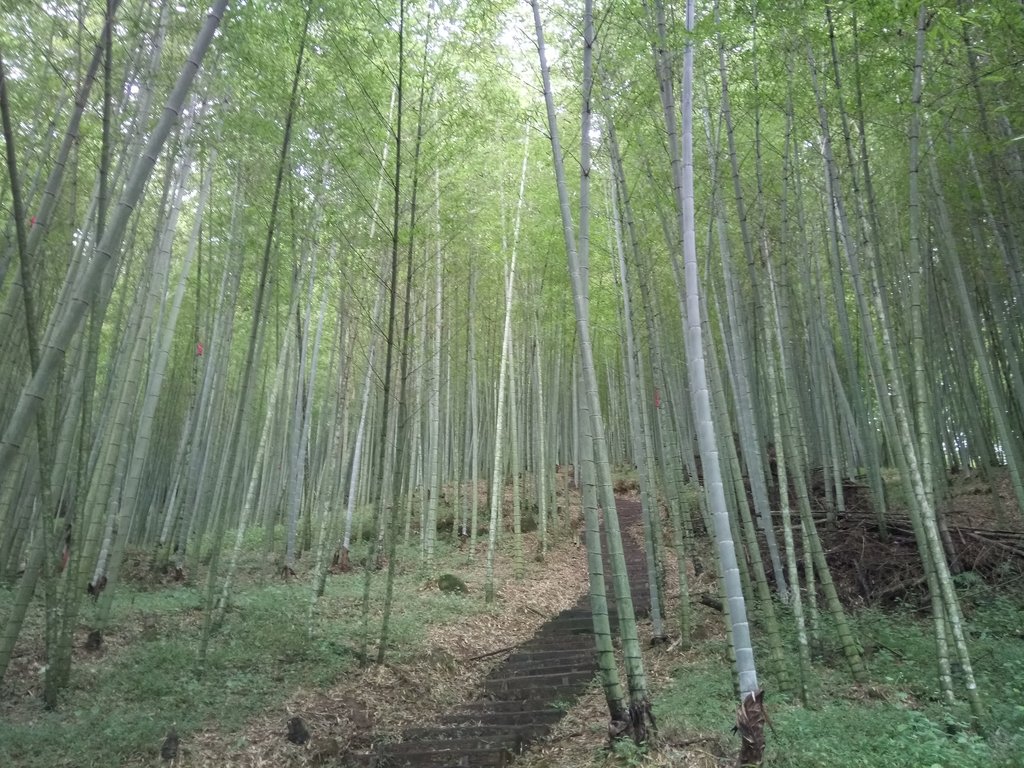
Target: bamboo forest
(471, 383)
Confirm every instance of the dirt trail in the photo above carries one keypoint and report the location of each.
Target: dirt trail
(528, 693)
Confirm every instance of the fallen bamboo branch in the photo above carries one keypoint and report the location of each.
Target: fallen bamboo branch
(491, 653)
(711, 602)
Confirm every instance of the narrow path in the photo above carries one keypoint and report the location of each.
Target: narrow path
(525, 695)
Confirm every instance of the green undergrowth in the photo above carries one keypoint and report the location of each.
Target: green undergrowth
(896, 720)
(123, 700)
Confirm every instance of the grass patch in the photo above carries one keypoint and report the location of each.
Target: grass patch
(899, 719)
(122, 702)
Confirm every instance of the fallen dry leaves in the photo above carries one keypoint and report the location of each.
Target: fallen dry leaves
(380, 701)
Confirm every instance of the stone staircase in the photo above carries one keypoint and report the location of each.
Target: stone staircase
(524, 696)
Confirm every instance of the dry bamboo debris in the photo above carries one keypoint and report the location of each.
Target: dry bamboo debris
(871, 568)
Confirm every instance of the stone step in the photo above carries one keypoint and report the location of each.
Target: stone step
(507, 740)
(549, 643)
(541, 692)
(544, 657)
(537, 717)
(515, 707)
(464, 756)
(555, 666)
(566, 628)
(553, 680)
(501, 733)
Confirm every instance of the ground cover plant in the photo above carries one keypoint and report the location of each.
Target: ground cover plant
(897, 718)
(123, 700)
